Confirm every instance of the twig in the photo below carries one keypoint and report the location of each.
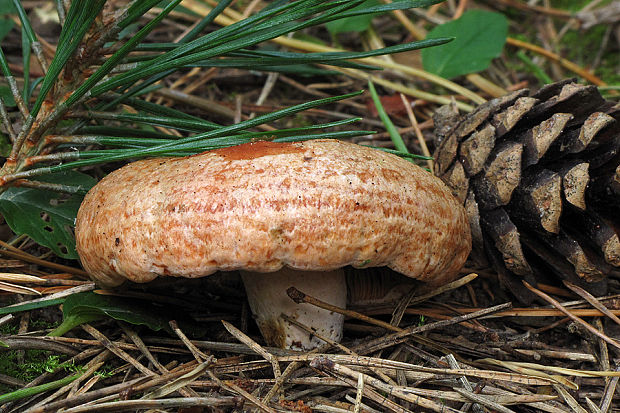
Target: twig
(179, 383)
(329, 341)
(198, 355)
(13, 252)
(573, 317)
(558, 59)
(300, 297)
(608, 394)
(311, 331)
(325, 364)
(359, 394)
(135, 405)
(117, 351)
(239, 335)
(48, 186)
(418, 132)
(7, 121)
(570, 400)
(592, 300)
(447, 287)
(21, 105)
(403, 335)
(62, 294)
(96, 394)
(464, 382)
(373, 362)
(249, 397)
(22, 342)
(483, 401)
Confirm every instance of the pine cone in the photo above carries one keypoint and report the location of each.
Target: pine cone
(539, 177)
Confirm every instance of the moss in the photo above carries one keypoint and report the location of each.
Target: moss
(36, 362)
(575, 5)
(582, 47)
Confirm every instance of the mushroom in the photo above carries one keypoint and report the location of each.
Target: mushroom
(284, 214)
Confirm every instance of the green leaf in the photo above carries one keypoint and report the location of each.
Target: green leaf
(5, 27)
(355, 23)
(397, 140)
(6, 95)
(12, 309)
(6, 7)
(47, 217)
(480, 37)
(85, 307)
(34, 390)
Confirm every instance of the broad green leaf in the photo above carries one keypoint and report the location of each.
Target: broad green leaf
(85, 307)
(46, 216)
(479, 38)
(353, 23)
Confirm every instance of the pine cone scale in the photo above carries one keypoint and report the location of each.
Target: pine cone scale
(539, 175)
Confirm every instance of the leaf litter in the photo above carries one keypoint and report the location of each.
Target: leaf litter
(465, 349)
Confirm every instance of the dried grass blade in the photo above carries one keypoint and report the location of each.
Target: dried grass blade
(24, 278)
(373, 362)
(86, 397)
(249, 397)
(198, 355)
(62, 294)
(570, 400)
(592, 406)
(448, 287)
(299, 297)
(500, 399)
(573, 317)
(309, 330)
(117, 351)
(17, 289)
(238, 334)
(179, 383)
(359, 393)
(135, 405)
(532, 372)
(16, 253)
(404, 334)
(133, 336)
(562, 370)
(482, 400)
(592, 300)
(350, 377)
(343, 372)
(464, 382)
(608, 395)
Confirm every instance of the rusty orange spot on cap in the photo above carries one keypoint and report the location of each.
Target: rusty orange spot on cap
(255, 150)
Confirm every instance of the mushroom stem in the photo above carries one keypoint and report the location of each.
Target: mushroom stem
(268, 299)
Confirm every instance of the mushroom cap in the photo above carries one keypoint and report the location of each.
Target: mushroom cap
(314, 205)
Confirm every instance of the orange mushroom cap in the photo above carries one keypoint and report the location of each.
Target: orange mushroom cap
(314, 205)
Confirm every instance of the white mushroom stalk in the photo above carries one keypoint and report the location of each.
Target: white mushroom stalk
(268, 300)
(302, 208)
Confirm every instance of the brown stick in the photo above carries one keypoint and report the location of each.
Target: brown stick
(573, 317)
